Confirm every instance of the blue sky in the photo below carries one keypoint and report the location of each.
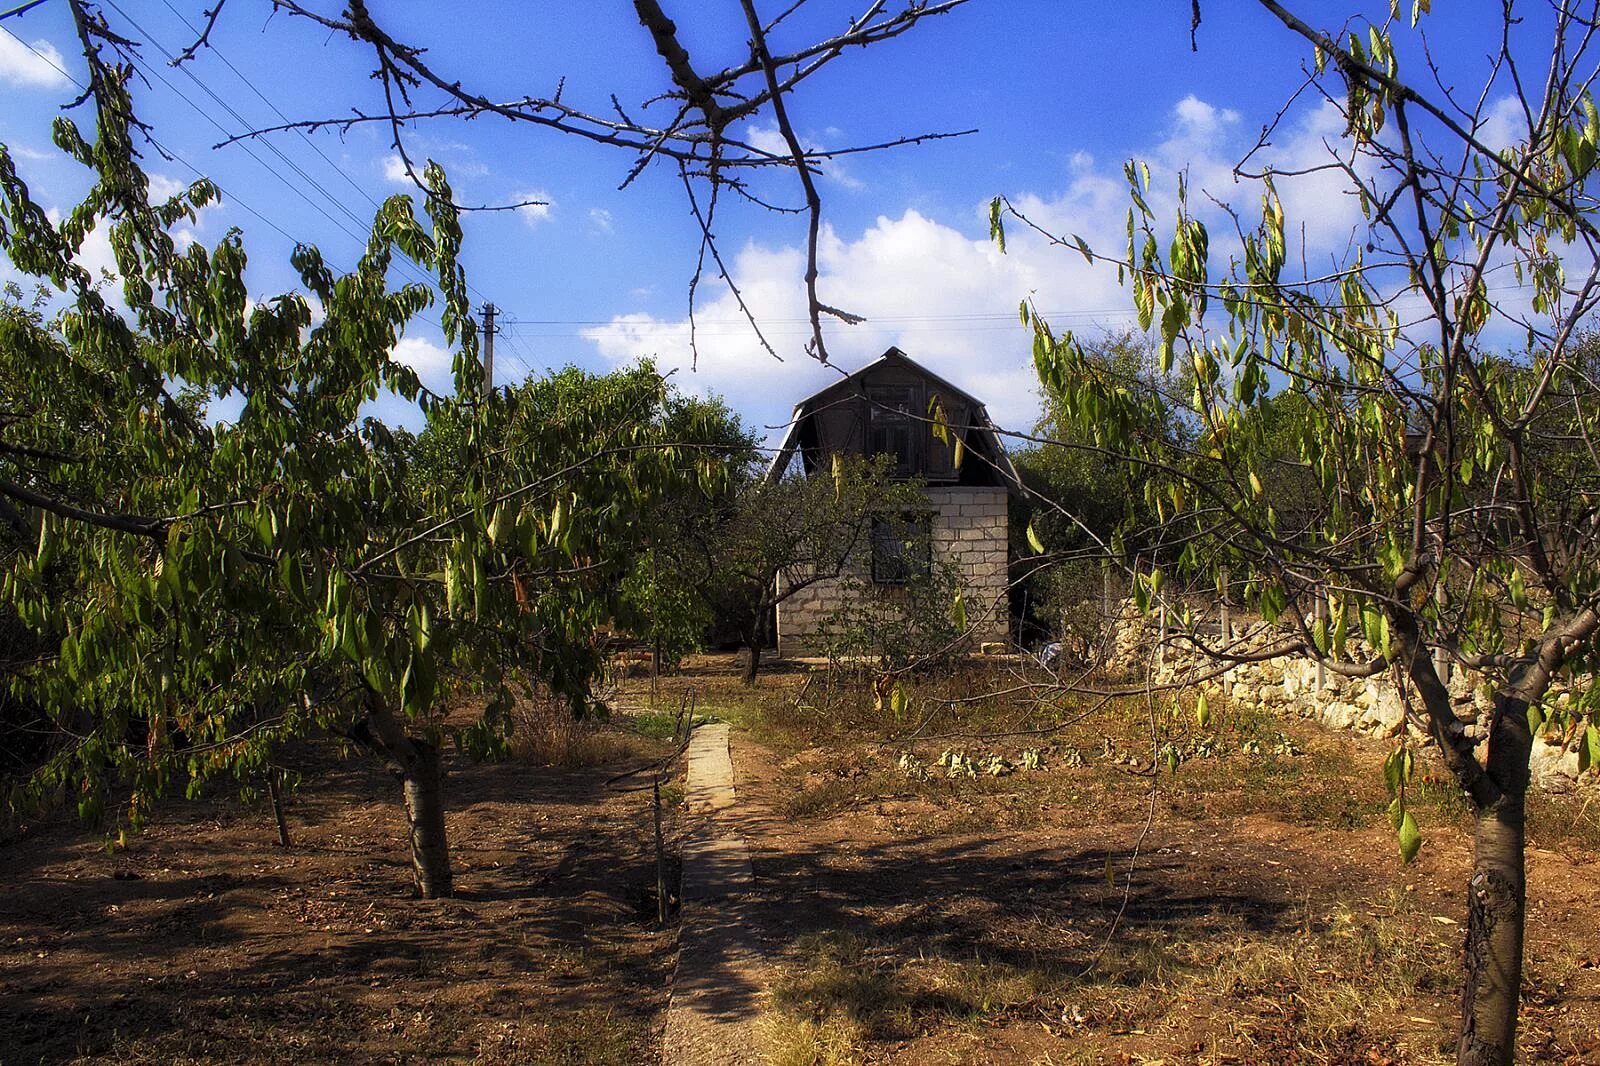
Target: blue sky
(1062, 93)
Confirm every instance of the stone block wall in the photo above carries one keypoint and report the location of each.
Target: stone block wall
(970, 531)
(1375, 706)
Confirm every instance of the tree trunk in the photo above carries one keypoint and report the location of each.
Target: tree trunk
(1497, 898)
(416, 762)
(753, 641)
(754, 662)
(423, 781)
(275, 793)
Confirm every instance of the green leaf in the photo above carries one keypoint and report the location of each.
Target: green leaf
(1273, 602)
(1110, 873)
(898, 700)
(1372, 625)
(1202, 712)
(1589, 750)
(1410, 838)
(958, 611)
(1519, 591)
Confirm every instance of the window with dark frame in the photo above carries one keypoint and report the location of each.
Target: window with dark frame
(892, 427)
(902, 548)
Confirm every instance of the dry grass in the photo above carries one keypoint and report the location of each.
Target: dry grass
(1333, 955)
(546, 733)
(1311, 991)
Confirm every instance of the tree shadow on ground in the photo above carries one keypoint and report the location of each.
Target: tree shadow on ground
(204, 938)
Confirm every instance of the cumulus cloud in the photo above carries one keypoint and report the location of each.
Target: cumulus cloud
(429, 359)
(35, 66)
(163, 188)
(942, 292)
(600, 219)
(536, 206)
(394, 170)
(1505, 124)
(944, 295)
(770, 139)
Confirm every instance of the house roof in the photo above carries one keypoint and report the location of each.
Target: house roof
(980, 423)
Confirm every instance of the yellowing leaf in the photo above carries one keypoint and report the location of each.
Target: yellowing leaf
(1033, 539)
(500, 525)
(958, 611)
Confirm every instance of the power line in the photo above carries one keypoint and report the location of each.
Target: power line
(276, 110)
(196, 171)
(248, 149)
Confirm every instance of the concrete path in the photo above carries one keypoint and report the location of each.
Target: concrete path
(715, 992)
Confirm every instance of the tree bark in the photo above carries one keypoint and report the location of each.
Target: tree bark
(275, 793)
(1497, 898)
(416, 762)
(753, 642)
(423, 781)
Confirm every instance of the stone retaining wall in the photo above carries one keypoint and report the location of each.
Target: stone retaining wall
(970, 531)
(1374, 706)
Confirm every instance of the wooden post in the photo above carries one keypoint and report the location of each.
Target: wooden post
(1226, 622)
(661, 856)
(1441, 661)
(1105, 594)
(1321, 616)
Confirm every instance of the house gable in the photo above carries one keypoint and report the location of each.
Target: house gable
(895, 405)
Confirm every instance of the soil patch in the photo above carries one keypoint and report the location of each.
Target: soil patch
(203, 941)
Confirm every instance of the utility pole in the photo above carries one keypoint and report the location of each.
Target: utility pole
(489, 311)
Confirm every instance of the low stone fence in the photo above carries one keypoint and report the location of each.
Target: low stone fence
(1375, 706)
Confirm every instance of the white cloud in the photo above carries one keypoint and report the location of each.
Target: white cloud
(431, 361)
(394, 170)
(536, 206)
(35, 69)
(600, 219)
(163, 188)
(942, 292)
(946, 296)
(770, 139)
(939, 290)
(1195, 114)
(1505, 124)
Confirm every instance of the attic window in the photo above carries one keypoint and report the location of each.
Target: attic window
(902, 548)
(892, 429)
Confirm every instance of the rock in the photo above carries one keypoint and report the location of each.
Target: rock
(1340, 715)
(1389, 714)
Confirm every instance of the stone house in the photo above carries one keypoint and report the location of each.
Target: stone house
(886, 408)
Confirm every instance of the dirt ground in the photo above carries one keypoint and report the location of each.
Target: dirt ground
(1253, 910)
(1263, 915)
(205, 942)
